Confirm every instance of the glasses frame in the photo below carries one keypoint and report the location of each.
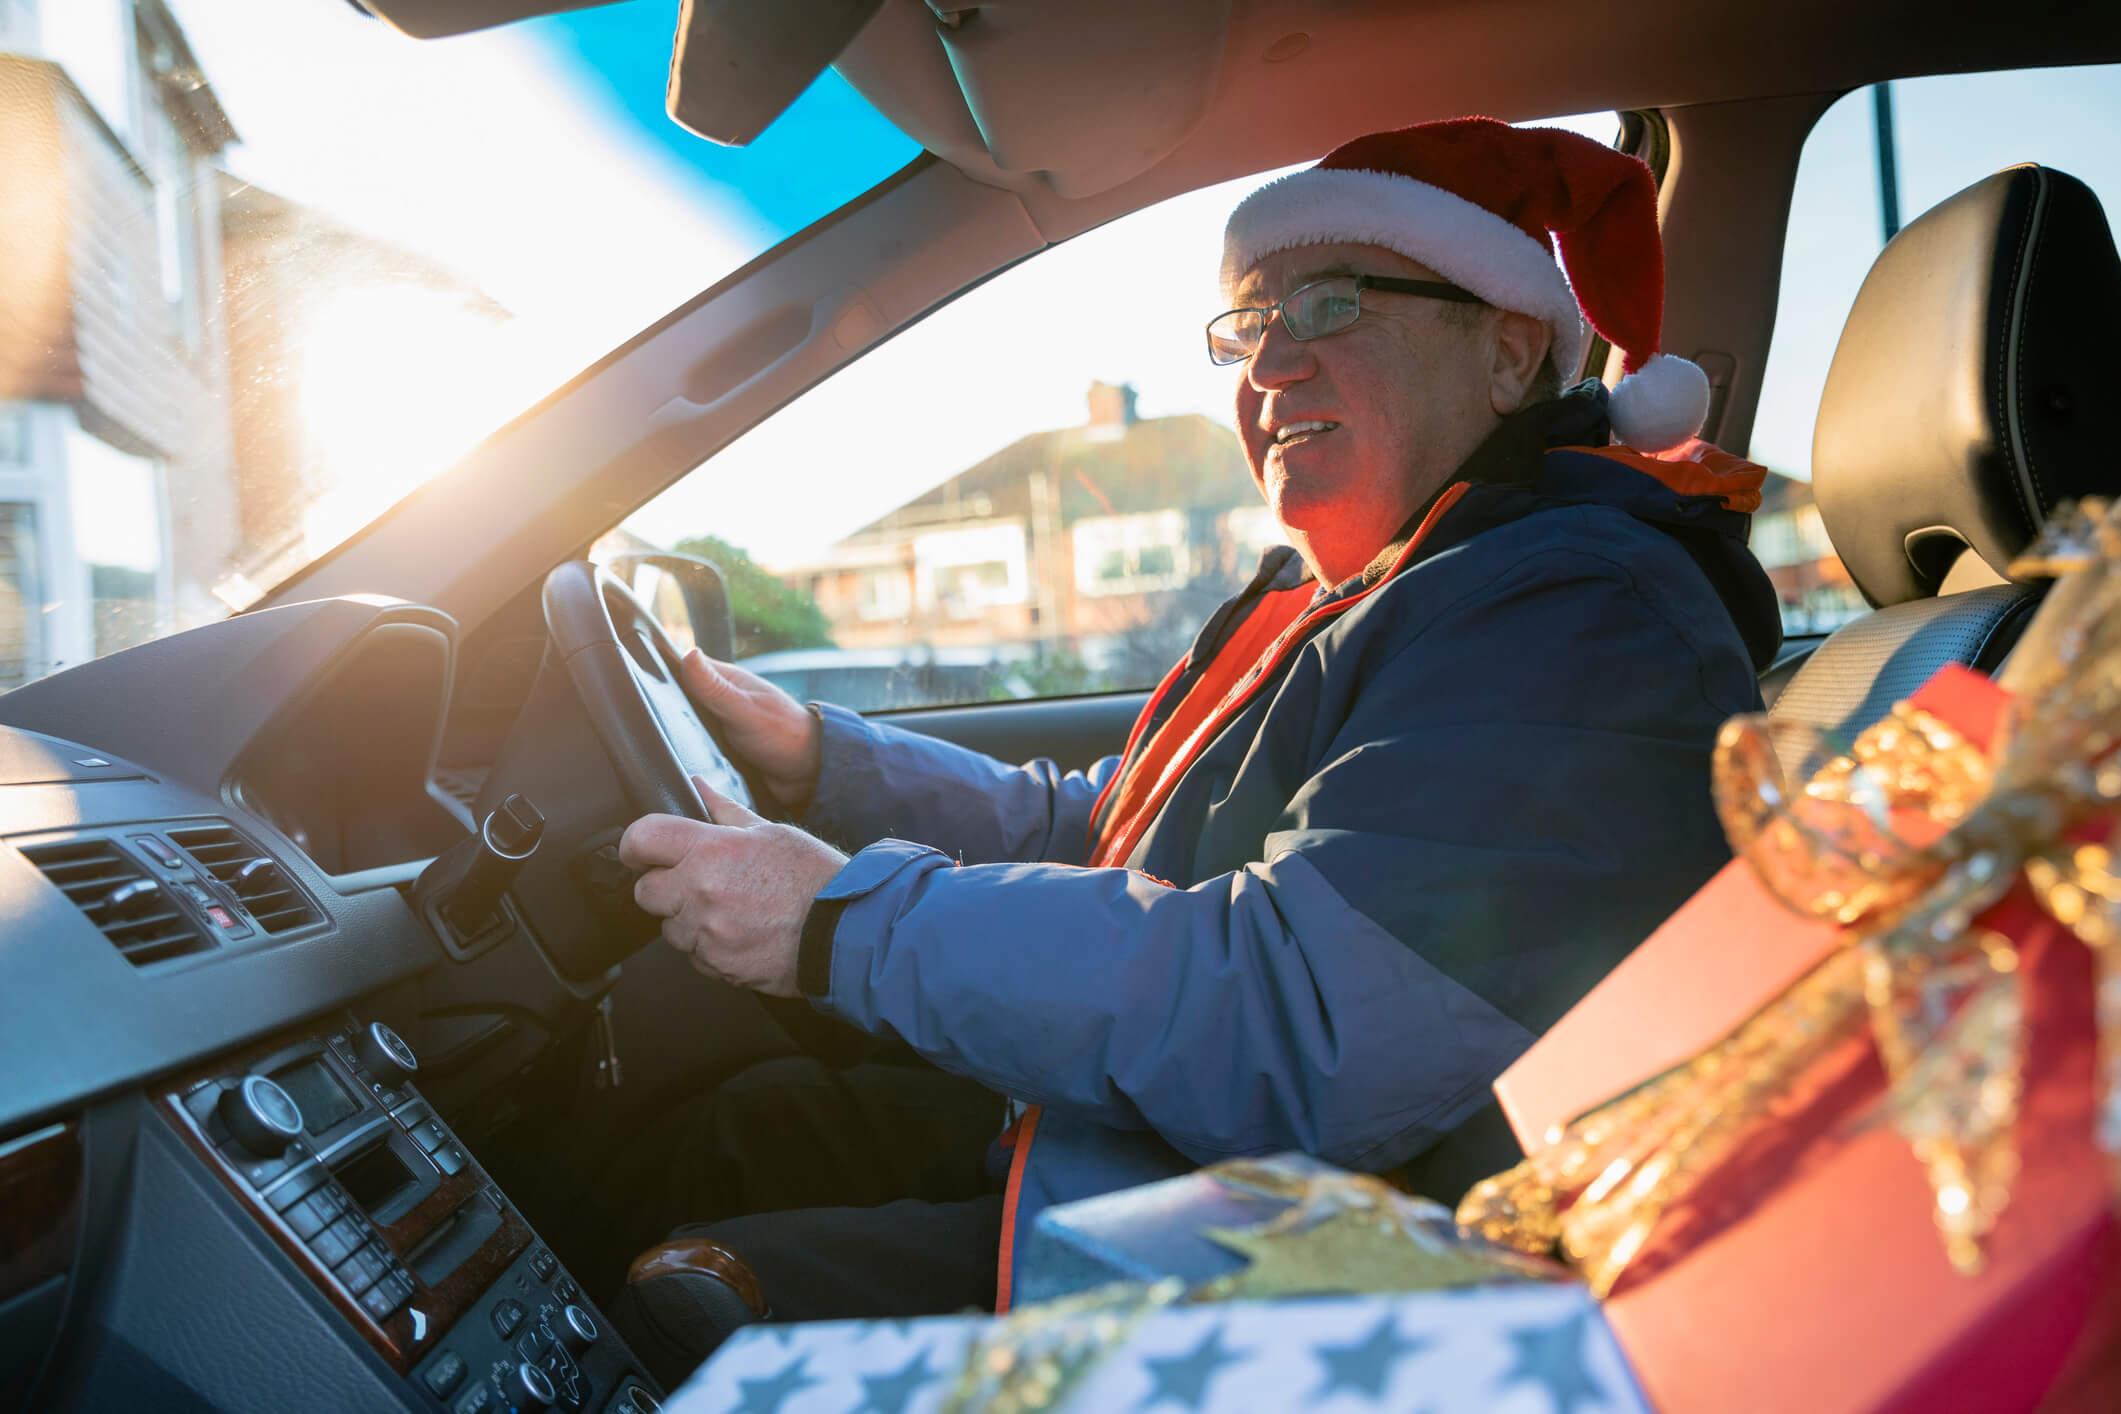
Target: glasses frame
(1386, 284)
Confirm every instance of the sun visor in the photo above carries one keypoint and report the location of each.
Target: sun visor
(739, 64)
(1081, 94)
(435, 19)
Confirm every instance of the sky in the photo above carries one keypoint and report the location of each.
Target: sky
(537, 162)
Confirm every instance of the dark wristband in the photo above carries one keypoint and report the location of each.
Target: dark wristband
(813, 955)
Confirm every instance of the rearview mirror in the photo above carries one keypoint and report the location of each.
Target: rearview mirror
(686, 594)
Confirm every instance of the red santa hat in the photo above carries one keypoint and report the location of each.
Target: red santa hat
(1487, 206)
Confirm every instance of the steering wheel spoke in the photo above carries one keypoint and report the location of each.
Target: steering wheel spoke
(624, 669)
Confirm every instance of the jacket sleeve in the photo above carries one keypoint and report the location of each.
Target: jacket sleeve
(876, 781)
(1476, 841)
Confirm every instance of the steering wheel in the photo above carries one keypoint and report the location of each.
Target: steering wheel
(624, 670)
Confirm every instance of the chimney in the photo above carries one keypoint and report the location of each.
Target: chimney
(1111, 411)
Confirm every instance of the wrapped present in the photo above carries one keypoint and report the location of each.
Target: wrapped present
(1533, 1347)
(1842, 1133)
(1281, 1226)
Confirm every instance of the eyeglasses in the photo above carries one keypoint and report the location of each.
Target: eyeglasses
(1315, 310)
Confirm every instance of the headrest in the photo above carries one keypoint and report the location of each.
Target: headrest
(1970, 390)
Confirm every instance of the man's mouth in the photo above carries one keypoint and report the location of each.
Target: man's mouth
(1290, 434)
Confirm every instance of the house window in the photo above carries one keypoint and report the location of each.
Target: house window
(964, 572)
(885, 593)
(1130, 554)
(21, 595)
(177, 227)
(14, 436)
(1251, 531)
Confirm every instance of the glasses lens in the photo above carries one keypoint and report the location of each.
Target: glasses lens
(1233, 336)
(1322, 307)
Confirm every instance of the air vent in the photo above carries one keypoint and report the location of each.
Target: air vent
(135, 913)
(255, 876)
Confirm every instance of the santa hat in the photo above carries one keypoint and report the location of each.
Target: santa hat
(1486, 206)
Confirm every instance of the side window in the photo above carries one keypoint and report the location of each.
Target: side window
(1868, 168)
(1036, 491)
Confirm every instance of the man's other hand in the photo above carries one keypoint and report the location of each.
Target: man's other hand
(733, 894)
(774, 735)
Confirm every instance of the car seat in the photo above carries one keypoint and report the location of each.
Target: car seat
(1965, 401)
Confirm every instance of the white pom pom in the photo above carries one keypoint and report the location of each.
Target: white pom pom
(1660, 404)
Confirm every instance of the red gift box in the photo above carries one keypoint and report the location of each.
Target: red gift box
(1807, 1272)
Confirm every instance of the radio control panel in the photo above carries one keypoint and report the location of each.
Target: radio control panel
(331, 1147)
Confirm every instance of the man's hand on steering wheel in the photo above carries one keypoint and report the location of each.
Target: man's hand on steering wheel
(732, 894)
(774, 735)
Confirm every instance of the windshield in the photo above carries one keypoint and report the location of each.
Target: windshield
(268, 265)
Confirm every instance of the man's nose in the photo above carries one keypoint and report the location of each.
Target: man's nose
(1280, 359)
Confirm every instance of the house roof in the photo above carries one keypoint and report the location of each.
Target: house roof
(1190, 462)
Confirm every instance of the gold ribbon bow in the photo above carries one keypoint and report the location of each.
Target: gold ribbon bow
(1902, 838)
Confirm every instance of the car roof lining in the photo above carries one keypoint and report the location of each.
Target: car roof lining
(1093, 96)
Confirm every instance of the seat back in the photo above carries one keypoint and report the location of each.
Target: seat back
(1963, 405)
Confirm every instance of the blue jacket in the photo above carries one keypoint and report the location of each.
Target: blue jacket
(1429, 830)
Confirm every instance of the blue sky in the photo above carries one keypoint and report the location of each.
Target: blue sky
(830, 144)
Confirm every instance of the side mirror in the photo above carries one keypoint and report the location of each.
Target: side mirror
(687, 593)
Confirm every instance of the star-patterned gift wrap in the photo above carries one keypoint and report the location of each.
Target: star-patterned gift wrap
(1280, 1226)
(1532, 1349)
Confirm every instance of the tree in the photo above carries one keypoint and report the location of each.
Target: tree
(769, 615)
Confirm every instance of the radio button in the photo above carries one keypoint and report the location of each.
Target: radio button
(363, 1269)
(430, 1135)
(450, 1159)
(445, 1374)
(337, 1242)
(297, 1186)
(542, 1264)
(306, 1218)
(507, 1318)
(477, 1400)
(379, 1301)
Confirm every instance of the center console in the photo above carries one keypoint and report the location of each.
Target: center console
(328, 1145)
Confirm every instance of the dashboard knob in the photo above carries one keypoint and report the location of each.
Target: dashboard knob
(530, 1389)
(385, 1054)
(578, 1329)
(263, 1118)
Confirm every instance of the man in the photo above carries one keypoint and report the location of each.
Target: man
(1414, 790)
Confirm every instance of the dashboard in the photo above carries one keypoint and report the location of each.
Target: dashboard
(220, 1185)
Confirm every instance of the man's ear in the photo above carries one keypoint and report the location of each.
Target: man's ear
(1520, 348)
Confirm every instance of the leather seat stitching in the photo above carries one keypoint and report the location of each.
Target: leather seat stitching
(2016, 274)
(2032, 279)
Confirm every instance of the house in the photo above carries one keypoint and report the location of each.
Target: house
(113, 359)
(1109, 540)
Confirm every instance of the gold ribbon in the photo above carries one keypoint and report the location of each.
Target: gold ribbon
(1903, 838)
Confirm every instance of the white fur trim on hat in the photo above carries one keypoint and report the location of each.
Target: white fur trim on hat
(1460, 240)
(1660, 404)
